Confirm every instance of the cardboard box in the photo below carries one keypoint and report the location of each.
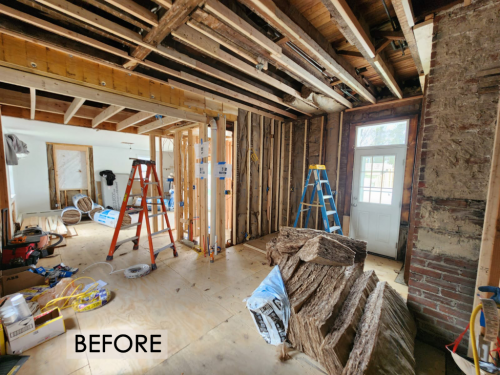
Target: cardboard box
(16, 279)
(19, 328)
(47, 326)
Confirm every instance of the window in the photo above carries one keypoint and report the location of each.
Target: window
(377, 179)
(388, 134)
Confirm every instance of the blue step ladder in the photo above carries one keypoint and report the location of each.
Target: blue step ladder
(320, 181)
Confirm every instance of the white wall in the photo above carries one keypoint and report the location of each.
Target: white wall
(31, 179)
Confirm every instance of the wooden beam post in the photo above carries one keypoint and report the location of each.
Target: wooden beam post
(152, 190)
(33, 103)
(73, 108)
(221, 184)
(304, 170)
(204, 194)
(235, 178)
(320, 159)
(190, 183)
(270, 181)
(289, 176)
(4, 181)
(280, 185)
(261, 140)
(177, 185)
(279, 174)
(160, 176)
(185, 183)
(249, 173)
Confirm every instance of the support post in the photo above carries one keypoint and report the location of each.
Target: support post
(214, 242)
(204, 195)
(304, 169)
(190, 183)
(270, 181)
(152, 191)
(261, 140)
(160, 167)
(320, 159)
(249, 173)
(281, 186)
(177, 184)
(289, 176)
(279, 174)
(221, 184)
(4, 182)
(235, 178)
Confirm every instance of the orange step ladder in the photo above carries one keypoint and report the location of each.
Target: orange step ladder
(143, 212)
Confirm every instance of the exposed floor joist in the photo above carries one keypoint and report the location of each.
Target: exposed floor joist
(107, 113)
(134, 119)
(73, 108)
(160, 123)
(136, 10)
(33, 103)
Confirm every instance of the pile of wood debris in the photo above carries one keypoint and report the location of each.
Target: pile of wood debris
(343, 317)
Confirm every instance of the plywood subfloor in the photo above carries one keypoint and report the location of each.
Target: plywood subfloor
(199, 303)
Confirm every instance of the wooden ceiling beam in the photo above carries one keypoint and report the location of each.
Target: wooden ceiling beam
(354, 32)
(391, 35)
(318, 48)
(24, 79)
(136, 10)
(106, 113)
(133, 120)
(99, 4)
(405, 17)
(73, 108)
(164, 121)
(32, 103)
(176, 16)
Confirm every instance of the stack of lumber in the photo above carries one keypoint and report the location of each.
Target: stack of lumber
(339, 315)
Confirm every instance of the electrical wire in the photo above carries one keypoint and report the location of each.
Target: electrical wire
(112, 268)
(72, 295)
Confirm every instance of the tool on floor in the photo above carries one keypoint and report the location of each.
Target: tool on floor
(26, 246)
(320, 181)
(143, 212)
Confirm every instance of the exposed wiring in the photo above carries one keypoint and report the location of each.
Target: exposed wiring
(112, 268)
(72, 295)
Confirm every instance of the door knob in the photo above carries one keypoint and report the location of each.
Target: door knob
(354, 205)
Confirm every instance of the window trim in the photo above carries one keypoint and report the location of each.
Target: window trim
(366, 125)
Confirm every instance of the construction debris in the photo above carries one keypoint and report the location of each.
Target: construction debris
(326, 251)
(385, 340)
(328, 291)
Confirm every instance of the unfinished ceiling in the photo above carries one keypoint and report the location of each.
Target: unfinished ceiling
(283, 59)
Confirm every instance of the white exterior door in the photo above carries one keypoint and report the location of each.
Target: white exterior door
(377, 192)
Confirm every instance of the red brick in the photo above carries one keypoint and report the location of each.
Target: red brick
(441, 283)
(460, 280)
(422, 301)
(416, 277)
(466, 290)
(418, 261)
(455, 313)
(424, 286)
(457, 296)
(467, 264)
(438, 315)
(414, 291)
(439, 299)
(468, 274)
(443, 268)
(426, 255)
(425, 271)
(451, 202)
(415, 307)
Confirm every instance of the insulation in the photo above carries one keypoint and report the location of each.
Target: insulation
(318, 314)
(334, 352)
(291, 240)
(272, 254)
(326, 251)
(71, 215)
(384, 343)
(95, 208)
(83, 203)
(242, 167)
(297, 167)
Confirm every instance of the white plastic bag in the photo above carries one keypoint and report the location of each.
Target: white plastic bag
(270, 308)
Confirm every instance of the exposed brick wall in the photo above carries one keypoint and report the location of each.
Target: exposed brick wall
(458, 128)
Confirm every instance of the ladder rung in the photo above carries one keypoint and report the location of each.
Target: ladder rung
(130, 225)
(137, 179)
(305, 209)
(312, 205)
(151, 183)
(160, 231)
(158, 214)
(158, 197)
(327, 196)
(170, 245)
(126, 240)
(135, 195)
(333, 229)
(134, 210)
(324, 181)
(311, 184)
(328, 213)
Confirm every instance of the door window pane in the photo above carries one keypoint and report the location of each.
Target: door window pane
(377, 179)
(393, 133)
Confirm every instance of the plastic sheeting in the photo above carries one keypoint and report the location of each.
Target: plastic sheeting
(71, 169)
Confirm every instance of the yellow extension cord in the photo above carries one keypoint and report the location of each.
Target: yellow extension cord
(72, 295)
(473, 338)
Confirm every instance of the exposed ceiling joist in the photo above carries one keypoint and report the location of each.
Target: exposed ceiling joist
(157, 124)
(106, 113)
(406, 22)
(318, 48)
(19, 78)
(391, 35)
(73, 108)
(171, 20)
(134, 119)
(354, 32)
(33, 102)
(136, 10)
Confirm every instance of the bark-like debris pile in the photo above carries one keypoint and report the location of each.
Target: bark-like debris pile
(341, 316)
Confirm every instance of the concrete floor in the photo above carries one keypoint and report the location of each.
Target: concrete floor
(199, 303)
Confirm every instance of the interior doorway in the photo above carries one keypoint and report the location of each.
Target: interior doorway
(377, 188)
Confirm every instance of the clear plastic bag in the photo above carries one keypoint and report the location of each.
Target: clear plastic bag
(270, 308)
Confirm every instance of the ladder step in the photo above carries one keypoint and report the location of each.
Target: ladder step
(169, 246)
(134, 210)
(158, 197)
(324, 182)
(327, 196)
(311, 184)
(151, 183)
(158, 214)
(130, 225)
(328, 213)
(135, 195)
(126, 240)
(305, 210)
(333, 229)
(160, 231)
